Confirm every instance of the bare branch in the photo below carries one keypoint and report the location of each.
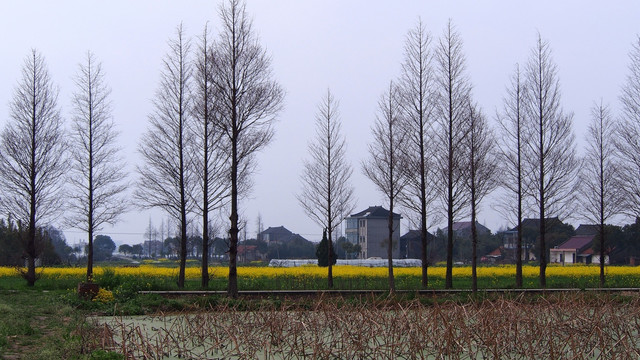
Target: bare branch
(326, 195)
(419, 100)
(248, 101)
(481, 175)
(453, 112)
(551, 158)
(98, 178)
(33, 161)
(166, 176)
(628, 135)
(384, 167)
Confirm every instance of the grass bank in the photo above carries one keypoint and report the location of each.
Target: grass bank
(43, 325)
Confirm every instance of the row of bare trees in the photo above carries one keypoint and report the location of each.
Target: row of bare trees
(213, 111)
(432, 143)
(434, 152)
(38, 159)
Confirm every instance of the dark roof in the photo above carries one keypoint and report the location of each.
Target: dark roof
(415, 235)
(462, 225)
(535, 223)
(279, 231)
(578, 243)
(587, 229)
(375, 212)
(281, 234)
(297, 237)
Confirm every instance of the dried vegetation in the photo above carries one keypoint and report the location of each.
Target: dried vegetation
(552, 327)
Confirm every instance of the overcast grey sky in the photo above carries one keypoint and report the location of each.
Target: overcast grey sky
(353, 47)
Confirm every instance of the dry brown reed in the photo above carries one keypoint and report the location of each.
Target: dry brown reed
(553, 327)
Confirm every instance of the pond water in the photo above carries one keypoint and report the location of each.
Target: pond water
(502, 329)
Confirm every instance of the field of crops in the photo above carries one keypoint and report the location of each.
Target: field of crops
(155, 277)
(556, 325)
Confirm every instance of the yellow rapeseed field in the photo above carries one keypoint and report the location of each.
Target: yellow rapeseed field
(344, 271)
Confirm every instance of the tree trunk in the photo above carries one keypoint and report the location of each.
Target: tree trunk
(474, 230)
(474, 245)
(449, 271)
(329, 207)
(392, 285)
(90, 258)
(423, 216)
(330, 257)
(205, 194)
(183, 200)
(543, 243)
(31, 242)
(602, 252)
(205, 250)
(90, 204)
(519, 241)
(602, 200)
(233, 231)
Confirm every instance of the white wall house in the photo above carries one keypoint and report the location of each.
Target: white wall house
(369, 229)
(578, 249)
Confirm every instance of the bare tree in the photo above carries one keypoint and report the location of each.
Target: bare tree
(628, 142)
(481, 175)
(212, 162)
(511, 122)
(453, 110)
(150, 234)
(417, 83)
(97, 172)
(248, 101)
(601, 191)
(551, 153)
(33, 162)
(259, 226)
(384, 167)
(165, 176)
(326, 194)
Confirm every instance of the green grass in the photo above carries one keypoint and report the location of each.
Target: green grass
(296, 283)
(38, 325)
(45, 325)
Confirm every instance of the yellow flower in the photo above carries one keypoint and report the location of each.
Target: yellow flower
(104, 296)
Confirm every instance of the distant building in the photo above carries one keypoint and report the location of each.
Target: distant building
(279, 235)
(462, 229)
(530, 233)
(369, 229)
(556, 233)
(586, 229)
(249, 253)
(496, 256)
(411, 244)
(578, 249)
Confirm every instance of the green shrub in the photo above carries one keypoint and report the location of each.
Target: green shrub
(109, 279)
